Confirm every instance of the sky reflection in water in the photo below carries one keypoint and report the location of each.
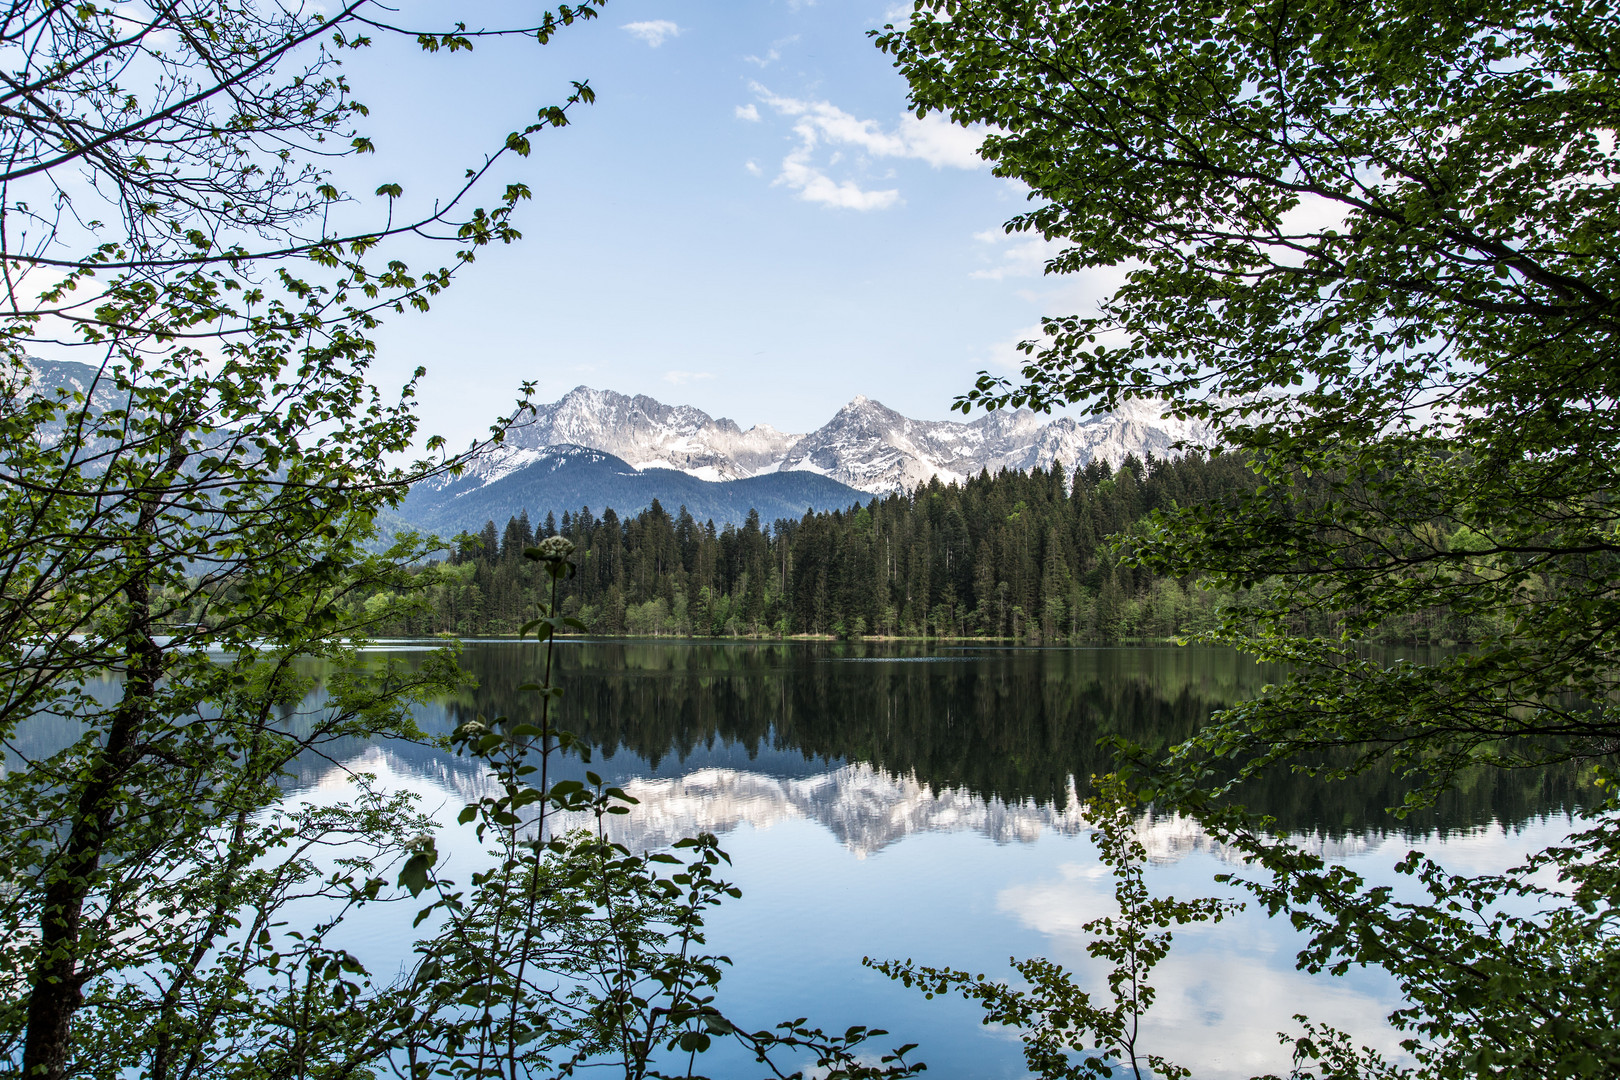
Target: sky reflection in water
(878, 801)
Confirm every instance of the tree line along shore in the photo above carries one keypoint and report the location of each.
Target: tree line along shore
(1017, 556)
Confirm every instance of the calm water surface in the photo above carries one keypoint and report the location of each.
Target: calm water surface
(920, 801)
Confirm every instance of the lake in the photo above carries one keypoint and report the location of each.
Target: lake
(902, 800)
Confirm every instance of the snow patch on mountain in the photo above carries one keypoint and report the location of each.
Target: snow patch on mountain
(651, 435)
(51, 377)
(867, 445)
(504, 459)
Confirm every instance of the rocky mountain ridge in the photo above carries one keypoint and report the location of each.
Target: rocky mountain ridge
(646, 433)
(866, 445)
(566, 476)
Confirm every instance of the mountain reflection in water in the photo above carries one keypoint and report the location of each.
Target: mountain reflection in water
(876, 741)
(905, 800)
(863, 807)
(901, 800)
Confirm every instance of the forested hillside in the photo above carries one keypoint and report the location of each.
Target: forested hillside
(1015, 555)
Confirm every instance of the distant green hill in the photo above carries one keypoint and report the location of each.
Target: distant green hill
(569, 477)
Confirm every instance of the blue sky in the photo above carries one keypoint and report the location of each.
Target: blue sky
(747, 220)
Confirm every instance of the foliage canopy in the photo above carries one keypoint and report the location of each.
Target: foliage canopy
(187, 517)
(1368, 242)
(180, 530)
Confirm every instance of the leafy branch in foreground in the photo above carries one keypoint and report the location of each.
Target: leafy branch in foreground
(1362, 241)
(1500, 974)
(571, 952)
(1065, 1034)
(185, 519)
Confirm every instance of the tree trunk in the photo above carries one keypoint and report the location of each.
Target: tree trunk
(57, 985)
(58, 979)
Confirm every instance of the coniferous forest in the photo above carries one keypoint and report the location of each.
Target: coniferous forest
(1016, 556)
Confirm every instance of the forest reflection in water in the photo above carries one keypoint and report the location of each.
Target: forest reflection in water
(982, 729)
(897, 800)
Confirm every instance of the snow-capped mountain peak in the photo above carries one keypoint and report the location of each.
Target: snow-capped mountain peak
(866, 444)
(651, 435)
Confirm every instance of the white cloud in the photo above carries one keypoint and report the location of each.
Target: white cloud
(826, 121)
(773, 54)
(1310, 217)
(813, 185)
(139, 15)
(679, 377)
(654, 31)
(753, 168)
(1314, 214)
(1023, 256)
(934, 139)
(938, 141)
(748, 112)
(1082, 292)
(1007, 356)
(821, 123)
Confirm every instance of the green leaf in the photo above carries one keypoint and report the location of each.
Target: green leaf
(414, 875)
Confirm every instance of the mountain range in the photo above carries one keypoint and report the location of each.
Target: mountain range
(553, 479)
(866, 445)
(603, 449)
(645, 449)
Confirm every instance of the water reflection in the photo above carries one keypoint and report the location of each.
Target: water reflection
(934, 729)
(1013, 730)
(865, 808)
(907, 801)
(950, 775)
